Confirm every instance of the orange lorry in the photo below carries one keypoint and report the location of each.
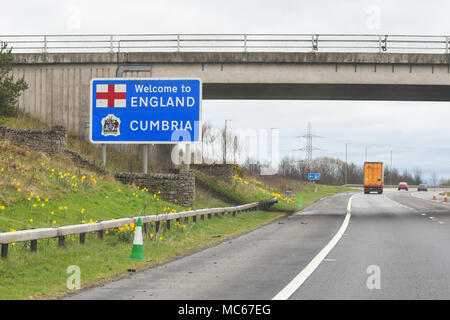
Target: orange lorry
(373, 177)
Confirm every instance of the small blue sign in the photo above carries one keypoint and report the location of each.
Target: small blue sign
(145, 110)
(314, 176)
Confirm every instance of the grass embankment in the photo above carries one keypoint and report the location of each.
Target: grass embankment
(115, 161)
(247, 188)
(38, 191)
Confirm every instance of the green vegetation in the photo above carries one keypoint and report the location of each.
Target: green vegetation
(27, 275)
(116, 161)
(38, 191)
(203, 199)
(10, 90)
(248, 189)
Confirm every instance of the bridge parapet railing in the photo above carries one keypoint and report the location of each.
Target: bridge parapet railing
(33, 235)
(288, 42)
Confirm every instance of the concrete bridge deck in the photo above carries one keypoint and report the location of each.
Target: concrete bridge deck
(59, 82)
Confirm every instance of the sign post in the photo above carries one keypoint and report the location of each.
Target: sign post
(143, 111)
(314, 177)
(288, 195)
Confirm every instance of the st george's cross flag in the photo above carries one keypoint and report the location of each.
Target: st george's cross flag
(111, 95)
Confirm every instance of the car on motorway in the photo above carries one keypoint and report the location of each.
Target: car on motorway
(402, 186)
(422, 187)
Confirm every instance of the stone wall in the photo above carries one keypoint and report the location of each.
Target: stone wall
(51, 142)
(178, 186)
(222, 172)
(173, 186)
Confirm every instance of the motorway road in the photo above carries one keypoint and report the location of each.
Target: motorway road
(404, 235)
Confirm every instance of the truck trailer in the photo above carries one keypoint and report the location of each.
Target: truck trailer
(373, 177)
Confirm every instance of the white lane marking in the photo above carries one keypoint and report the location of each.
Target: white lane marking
(293, 286)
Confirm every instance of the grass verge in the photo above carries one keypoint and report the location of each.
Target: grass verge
(42, 275)
(246, 190)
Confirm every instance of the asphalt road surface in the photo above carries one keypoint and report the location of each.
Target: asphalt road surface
(396, 246)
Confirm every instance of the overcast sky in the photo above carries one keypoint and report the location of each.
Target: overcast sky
(416, 132)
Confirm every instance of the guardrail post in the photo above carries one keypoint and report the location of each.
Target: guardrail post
(209, 215)
(45, 44)
(186, 220)
(202, 217)
(100, 234)
(245, 42)
(446, 45)
(194, 219)
(234, 213)
(157, 223)
(82, 238)
(61, 241)
(216, 214)
(168, 224)
(145, 158)
(178, 220)
(4, 250)
(33, 245)
(145, 229)
(315, 42)
(384, 46)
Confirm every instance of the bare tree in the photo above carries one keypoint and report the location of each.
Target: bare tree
(206, 128)
(417, 175)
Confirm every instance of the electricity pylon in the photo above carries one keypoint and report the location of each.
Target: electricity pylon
(309, 145)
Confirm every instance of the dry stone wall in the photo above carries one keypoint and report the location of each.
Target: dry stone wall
(51, 142)
(177, 188)
(222, 172)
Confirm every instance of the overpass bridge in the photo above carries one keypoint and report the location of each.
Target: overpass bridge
(58, 68)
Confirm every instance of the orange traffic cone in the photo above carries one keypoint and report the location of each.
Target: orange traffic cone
(445, 198)
(434, 195)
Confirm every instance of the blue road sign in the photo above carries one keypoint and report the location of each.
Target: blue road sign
(145, 110)
(313, 176)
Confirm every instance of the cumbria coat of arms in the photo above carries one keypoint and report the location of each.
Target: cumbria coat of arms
(110, 125)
